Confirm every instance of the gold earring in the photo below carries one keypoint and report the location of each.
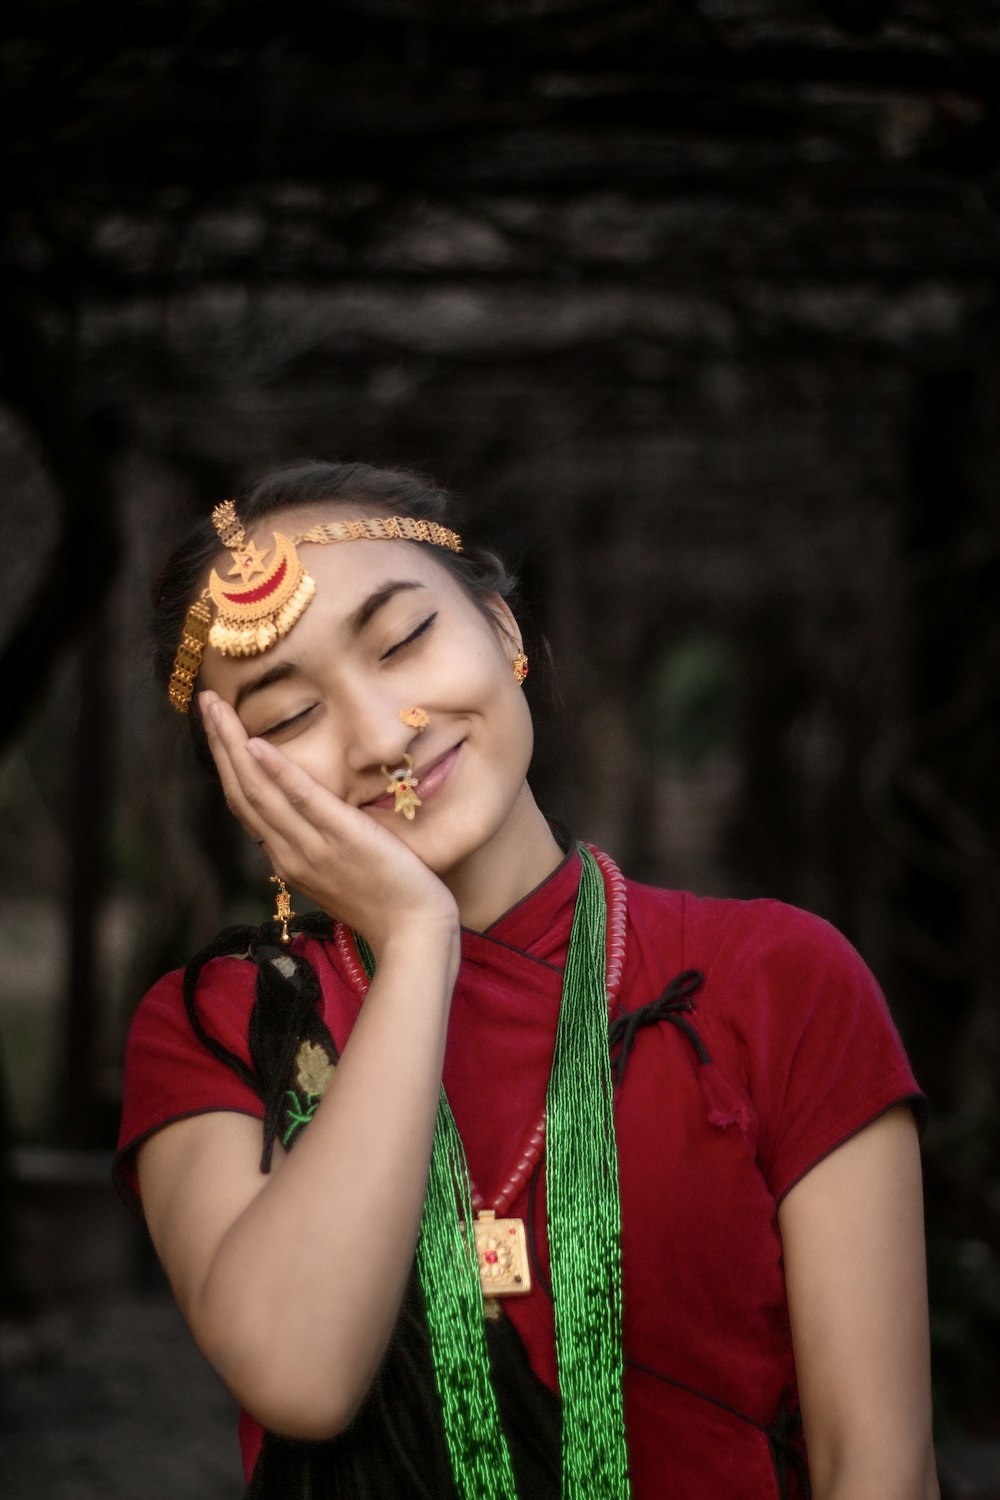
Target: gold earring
(416, 718)
(520, 666)
(403, 785)
(282, 907)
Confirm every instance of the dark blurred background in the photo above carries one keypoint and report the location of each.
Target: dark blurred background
(696, 307)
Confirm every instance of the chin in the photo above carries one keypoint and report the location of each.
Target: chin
(446, 844)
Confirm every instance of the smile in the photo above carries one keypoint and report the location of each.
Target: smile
(428, 779)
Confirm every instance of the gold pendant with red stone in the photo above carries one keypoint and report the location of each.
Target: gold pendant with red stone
(502, 1256)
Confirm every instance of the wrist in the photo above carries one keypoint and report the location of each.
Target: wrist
(431, 939)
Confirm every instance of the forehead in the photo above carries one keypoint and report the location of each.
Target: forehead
(347, 576)
(345, 573)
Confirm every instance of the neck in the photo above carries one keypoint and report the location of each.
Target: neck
(518, 858)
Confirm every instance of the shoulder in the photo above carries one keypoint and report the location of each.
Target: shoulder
(221, 998)
(773, 973)
(220, 993)
(205, 1010)
(733, 938)
(188, 1049)
(790, 1012)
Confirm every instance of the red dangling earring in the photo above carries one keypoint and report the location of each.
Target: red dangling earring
(283, 907)
(520, 666)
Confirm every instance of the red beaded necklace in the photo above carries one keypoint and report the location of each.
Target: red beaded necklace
(614, 887)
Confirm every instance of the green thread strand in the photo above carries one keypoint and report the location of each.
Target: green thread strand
(581, 1184)
(584, 1244)
(449, 1275)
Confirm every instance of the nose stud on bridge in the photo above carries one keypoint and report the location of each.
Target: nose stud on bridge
(416, 718)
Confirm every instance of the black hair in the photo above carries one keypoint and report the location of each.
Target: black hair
(368, 491)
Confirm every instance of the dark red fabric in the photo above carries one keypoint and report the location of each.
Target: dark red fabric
(804, 1053)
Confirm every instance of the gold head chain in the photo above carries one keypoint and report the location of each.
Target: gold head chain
(256, 611)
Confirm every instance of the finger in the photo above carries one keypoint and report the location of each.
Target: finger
(263, 818)
(313, 807)
(223, 739)
(272, 795)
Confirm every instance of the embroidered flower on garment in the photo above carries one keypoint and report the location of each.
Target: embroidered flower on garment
(313, 1070)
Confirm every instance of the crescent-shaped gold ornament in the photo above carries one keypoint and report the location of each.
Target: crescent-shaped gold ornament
(250, 619)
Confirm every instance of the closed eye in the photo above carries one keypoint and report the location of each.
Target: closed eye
(275, 729)
(413, 635)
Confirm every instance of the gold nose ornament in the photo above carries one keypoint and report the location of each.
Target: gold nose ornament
(403, 786)
(415, 718)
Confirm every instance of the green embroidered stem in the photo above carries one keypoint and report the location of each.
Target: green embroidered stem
(584, 1243)
(295, 1117)
(581, 1184)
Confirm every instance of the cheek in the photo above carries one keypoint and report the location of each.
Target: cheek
(320, 753)
(493, 658)
(509, 739)
(506, 707)
(521, 735)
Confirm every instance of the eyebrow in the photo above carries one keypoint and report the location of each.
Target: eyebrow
(356, 623)
(365, 612)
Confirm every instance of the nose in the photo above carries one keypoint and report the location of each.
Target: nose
(376, 735)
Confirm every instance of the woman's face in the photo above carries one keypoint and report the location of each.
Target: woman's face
(390, 628)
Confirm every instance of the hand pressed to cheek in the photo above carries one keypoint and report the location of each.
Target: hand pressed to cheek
(269, 795)
(339, 857)
(251, 793)
(332, 853)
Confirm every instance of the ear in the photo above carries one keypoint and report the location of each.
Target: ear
(504, 622)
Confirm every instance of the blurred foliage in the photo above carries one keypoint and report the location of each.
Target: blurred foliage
(691, 698)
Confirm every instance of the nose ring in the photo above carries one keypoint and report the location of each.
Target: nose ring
(403, 786)
(416, 718)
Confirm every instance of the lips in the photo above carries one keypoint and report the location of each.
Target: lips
(428, 779)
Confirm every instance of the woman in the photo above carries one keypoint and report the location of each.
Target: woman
(685, 1127)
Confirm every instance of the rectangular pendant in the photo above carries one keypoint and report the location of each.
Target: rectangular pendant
(502, 1254)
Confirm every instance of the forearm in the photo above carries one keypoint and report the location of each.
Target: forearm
(887, 1475)
(853, 1236)
(302, 1292)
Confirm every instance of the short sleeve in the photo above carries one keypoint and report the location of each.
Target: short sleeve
(821, 1051)
(169, 1073)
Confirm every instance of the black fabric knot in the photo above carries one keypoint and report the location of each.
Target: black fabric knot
(673, 1005)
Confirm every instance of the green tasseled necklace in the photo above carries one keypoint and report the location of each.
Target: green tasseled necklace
(581, 1179)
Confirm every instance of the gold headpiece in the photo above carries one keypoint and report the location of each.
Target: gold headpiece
(270, 596)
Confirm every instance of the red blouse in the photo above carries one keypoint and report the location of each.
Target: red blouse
(798, 1052)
